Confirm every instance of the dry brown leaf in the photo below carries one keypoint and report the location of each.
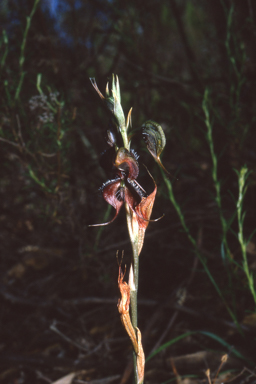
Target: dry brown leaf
(17, 271)
(188, 380)
(99, 329)
(37, 262)
(54, 348)
(224, 377)
(35, 257)
(202, 360)
(29, 225)
(250, 320)
(66, 379)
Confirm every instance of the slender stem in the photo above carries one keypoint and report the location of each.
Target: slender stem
(215, 173)
(22, 50)
(193, 241)
(58, 152)
(5, 42)
(224, 224)
(242, 176)
(134, 302)
(134, 271)
(134, 293)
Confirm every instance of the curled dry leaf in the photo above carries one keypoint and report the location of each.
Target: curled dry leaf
(123, 308)
(140, 358)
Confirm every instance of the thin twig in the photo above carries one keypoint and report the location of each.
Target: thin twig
(19, 131)
(165, 332)
(66, 338)
(70, 341)
(10, 142)
(58, 152)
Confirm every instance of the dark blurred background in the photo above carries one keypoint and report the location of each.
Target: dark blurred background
(58, 287)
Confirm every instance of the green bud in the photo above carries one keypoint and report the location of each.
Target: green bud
(113, 100)
(154, 137)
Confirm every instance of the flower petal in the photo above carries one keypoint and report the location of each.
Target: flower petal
(144, 209)
(127, 164)
(143, 212)
(113, 194)
(132, 197)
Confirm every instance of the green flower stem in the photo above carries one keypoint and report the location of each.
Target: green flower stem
(134, 303)
(134, 280)
(193, 241)
(242, 177)
(136, 283)
(125, 138)
(237, 57)
(22, 50)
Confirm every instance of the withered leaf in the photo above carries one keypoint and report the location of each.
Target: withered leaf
(123, 308)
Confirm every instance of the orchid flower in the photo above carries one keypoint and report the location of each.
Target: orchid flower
(125, 188)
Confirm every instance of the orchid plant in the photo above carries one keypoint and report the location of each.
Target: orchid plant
(125, 190)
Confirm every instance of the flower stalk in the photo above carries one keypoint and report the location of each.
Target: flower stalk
(125, 190)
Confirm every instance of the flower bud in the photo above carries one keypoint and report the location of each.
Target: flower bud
(154, 137)
(113, 100)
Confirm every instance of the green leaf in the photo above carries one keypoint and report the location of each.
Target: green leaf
(39, 182)
(205, 333)
(224, 343)
(169, 343)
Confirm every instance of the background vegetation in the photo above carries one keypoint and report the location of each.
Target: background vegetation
(190, 66)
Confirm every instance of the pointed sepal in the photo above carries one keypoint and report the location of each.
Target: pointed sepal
(113, 194)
